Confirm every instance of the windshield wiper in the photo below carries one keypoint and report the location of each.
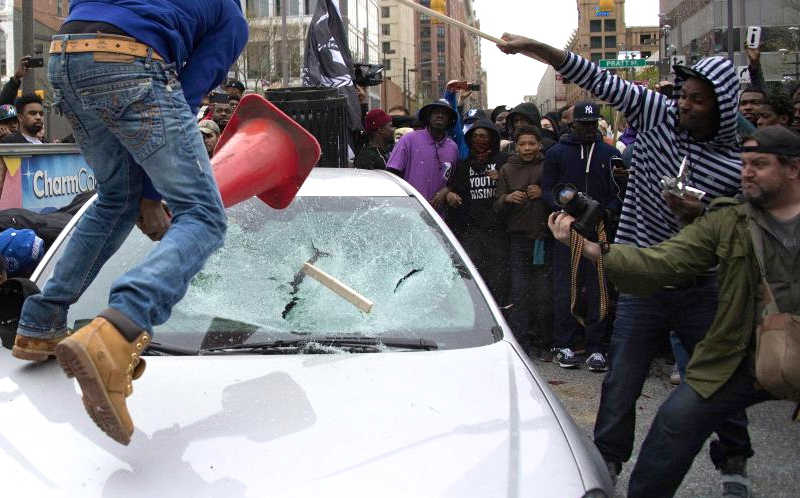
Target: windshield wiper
(355, 343)
(158, 349)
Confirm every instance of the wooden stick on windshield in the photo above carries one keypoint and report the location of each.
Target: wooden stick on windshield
(338, 287)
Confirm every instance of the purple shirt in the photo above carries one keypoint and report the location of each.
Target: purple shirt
(424, 163)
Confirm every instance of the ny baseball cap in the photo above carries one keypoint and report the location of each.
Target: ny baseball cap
(777, 140)
(586, 111)
(22, 250)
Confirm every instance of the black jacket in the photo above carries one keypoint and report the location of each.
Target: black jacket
(565, 163)
(371, 158)
(9, 92)
(471, 181)
(16, 138)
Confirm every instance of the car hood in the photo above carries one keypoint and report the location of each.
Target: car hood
(471, 422)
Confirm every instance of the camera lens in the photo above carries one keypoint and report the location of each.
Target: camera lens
(565, 196)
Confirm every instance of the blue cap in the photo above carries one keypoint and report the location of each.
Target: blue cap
(7, 111)
(22, 250)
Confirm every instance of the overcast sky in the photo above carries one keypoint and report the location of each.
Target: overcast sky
(551, 21)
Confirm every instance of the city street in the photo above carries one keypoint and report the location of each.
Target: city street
(773, 470)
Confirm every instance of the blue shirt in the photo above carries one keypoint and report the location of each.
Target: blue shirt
(202, 37)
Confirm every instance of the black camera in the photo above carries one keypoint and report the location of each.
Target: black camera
(369, 74)
(35, 62)
(586, 211)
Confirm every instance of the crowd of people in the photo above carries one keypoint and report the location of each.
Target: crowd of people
(494, 175)
(497, 178)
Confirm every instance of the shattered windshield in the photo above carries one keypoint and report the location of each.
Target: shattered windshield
(386, 250)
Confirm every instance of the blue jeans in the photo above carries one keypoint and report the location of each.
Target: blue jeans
(130, 118)
(565, 327)
(640, 327)
(681, 427)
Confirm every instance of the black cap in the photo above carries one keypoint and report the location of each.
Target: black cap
(777, 140)
(425, 112)
(586, 111)
(686, 72)
(235, 84)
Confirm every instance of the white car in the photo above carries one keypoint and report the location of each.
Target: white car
(264, 382)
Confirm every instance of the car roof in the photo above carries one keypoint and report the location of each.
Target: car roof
(346, 182)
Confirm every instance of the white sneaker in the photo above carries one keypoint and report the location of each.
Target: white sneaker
(597, 362)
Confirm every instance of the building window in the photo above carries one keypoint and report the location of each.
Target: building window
(440, 59)
(387, 47)
(425, 46)
(595, 26)
(596, 57)
(596, 42)
(611, 55)
(647, 55)
(645, 39)
(310, 6)
(385, 12)
(440, 31)
(440, 46)
(611, 24)
(611, 42)
(425, 32)
(387, 65)
(386, 29)
(59, 8)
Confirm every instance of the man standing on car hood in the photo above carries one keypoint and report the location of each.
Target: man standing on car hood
(129, 76)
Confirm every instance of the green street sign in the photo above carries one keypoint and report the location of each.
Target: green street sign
(623, 63)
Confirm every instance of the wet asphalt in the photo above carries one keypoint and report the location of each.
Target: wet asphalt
(774, 470)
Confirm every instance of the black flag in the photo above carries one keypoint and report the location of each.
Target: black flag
(328, 61)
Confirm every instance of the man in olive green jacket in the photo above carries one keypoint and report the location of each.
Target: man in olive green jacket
(720, 377)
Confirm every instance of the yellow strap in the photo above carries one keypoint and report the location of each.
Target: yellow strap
(576, 242)
(104, 44)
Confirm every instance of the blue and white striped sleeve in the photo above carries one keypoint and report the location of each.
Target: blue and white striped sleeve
(644, 109)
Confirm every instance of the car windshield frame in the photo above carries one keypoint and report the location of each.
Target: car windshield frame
(474, 323)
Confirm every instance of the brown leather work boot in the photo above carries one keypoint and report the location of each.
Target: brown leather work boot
(33, 349)
(104, 363)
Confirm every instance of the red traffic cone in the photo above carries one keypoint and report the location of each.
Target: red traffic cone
(263, 152)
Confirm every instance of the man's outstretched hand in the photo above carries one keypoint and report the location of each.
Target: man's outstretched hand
(518, 44)
(154, 218)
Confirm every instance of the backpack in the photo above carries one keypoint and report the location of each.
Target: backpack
(13, 293)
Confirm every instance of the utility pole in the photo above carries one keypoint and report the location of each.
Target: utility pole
(730, 31)
(29, 81)
(284, 45)
(405, 83)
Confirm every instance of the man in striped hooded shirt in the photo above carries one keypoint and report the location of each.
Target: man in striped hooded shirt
(698, 126)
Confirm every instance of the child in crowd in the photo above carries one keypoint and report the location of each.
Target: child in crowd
(519, 203)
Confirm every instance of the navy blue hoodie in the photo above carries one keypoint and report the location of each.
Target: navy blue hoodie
(202, 37)
(565, 163)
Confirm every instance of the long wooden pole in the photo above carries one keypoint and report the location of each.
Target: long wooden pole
(451, 21)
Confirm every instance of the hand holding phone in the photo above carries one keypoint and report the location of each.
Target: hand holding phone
(753, 39)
